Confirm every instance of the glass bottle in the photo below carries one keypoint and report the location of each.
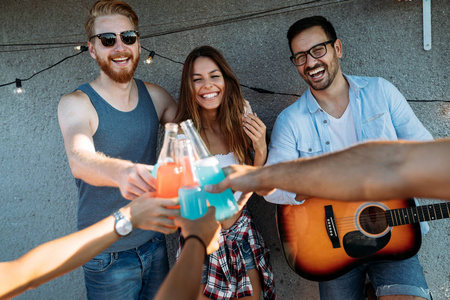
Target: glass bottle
(209, 171)
(192, 197)
(168, 170)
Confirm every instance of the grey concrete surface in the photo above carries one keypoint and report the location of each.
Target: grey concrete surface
(38, 193)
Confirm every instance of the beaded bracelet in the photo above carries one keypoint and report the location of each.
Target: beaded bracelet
(198, 238)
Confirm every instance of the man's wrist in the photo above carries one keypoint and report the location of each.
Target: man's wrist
(122, 224)
(199, 241)
(126, 212)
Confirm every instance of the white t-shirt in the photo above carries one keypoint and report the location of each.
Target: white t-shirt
(342, 130)
(342, 135)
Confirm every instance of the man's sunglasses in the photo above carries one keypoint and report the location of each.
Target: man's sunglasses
(108, 39)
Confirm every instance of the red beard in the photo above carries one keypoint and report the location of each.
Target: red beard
(122, 76)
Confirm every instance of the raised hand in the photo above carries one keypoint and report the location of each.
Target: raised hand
(241, 178)
(151, 213)
(256, 131)
(136, 181)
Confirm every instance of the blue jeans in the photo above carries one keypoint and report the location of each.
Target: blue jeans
(388, 277)
(132, 274)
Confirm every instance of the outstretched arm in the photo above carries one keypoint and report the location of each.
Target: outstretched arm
(62, 255)
(371, 171)
(183, 281)
(78, 121)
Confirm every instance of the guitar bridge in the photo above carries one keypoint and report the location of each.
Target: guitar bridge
(330, 224)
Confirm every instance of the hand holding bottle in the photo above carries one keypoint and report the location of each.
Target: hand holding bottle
(169, 172)
(208, 171)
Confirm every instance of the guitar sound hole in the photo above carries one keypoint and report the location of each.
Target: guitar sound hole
(373, 220)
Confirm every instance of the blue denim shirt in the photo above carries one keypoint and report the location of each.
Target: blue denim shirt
(380, 112)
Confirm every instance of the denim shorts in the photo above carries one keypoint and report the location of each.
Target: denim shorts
(246, 253)
(388, 277)
(131, 274)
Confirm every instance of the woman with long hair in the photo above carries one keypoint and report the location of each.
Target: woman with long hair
(210, 95)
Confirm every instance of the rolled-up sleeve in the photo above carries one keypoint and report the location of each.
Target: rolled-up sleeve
(282, 147)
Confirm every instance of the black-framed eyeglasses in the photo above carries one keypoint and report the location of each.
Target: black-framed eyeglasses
(108, 39)
(317, 51)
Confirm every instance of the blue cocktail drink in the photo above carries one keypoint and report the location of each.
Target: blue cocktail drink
(192, 202)
(209, 171)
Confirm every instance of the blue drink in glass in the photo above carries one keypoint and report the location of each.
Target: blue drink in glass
(209, 171)
(192, 202)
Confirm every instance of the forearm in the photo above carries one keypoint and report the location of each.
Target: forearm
(371, 171)
(183, 280)
(97, 169)
(426, 169)
(55, 258)
(362, 172)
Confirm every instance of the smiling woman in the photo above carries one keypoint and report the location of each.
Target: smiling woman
(208, 82)
(210, 95)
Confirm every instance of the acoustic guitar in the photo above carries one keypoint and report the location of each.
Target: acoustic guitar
(324, 239)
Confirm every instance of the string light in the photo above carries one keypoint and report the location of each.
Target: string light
(18, 82)
(81, 48)
(247, 16)
(149, 60)
(19, 90)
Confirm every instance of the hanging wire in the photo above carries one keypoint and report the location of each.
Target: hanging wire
(83, 49)
(247, 16)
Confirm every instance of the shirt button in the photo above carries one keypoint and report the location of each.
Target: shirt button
(325, 121)
(327, 143)
(309, 149)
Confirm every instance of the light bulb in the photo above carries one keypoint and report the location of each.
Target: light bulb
(81, 48)
(19, 90)
(149, 60)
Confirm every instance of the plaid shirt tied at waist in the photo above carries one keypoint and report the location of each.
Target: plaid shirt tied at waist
(227, 275)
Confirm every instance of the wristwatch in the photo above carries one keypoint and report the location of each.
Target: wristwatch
(123, 225)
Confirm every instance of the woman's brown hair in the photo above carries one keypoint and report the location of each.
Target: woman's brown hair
(230, 112)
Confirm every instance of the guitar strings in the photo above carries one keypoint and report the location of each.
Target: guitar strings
(345, 223)
(438, 210)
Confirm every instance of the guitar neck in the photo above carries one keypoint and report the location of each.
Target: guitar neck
(409, 215)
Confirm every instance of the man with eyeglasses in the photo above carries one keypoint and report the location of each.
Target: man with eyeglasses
(110, 128)
(336, 112)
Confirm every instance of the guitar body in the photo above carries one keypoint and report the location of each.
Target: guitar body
(324, 239)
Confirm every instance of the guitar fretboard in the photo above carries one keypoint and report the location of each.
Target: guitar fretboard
(402, 216)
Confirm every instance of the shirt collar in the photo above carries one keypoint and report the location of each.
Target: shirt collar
(355, 82)
(311, 102)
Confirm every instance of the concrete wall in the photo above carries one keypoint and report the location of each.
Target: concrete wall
(380, 38)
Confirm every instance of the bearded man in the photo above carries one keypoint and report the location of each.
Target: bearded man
(110, 128)
(335, 112)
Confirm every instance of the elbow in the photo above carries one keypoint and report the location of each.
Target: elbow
(31, 285)
(75, 169)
